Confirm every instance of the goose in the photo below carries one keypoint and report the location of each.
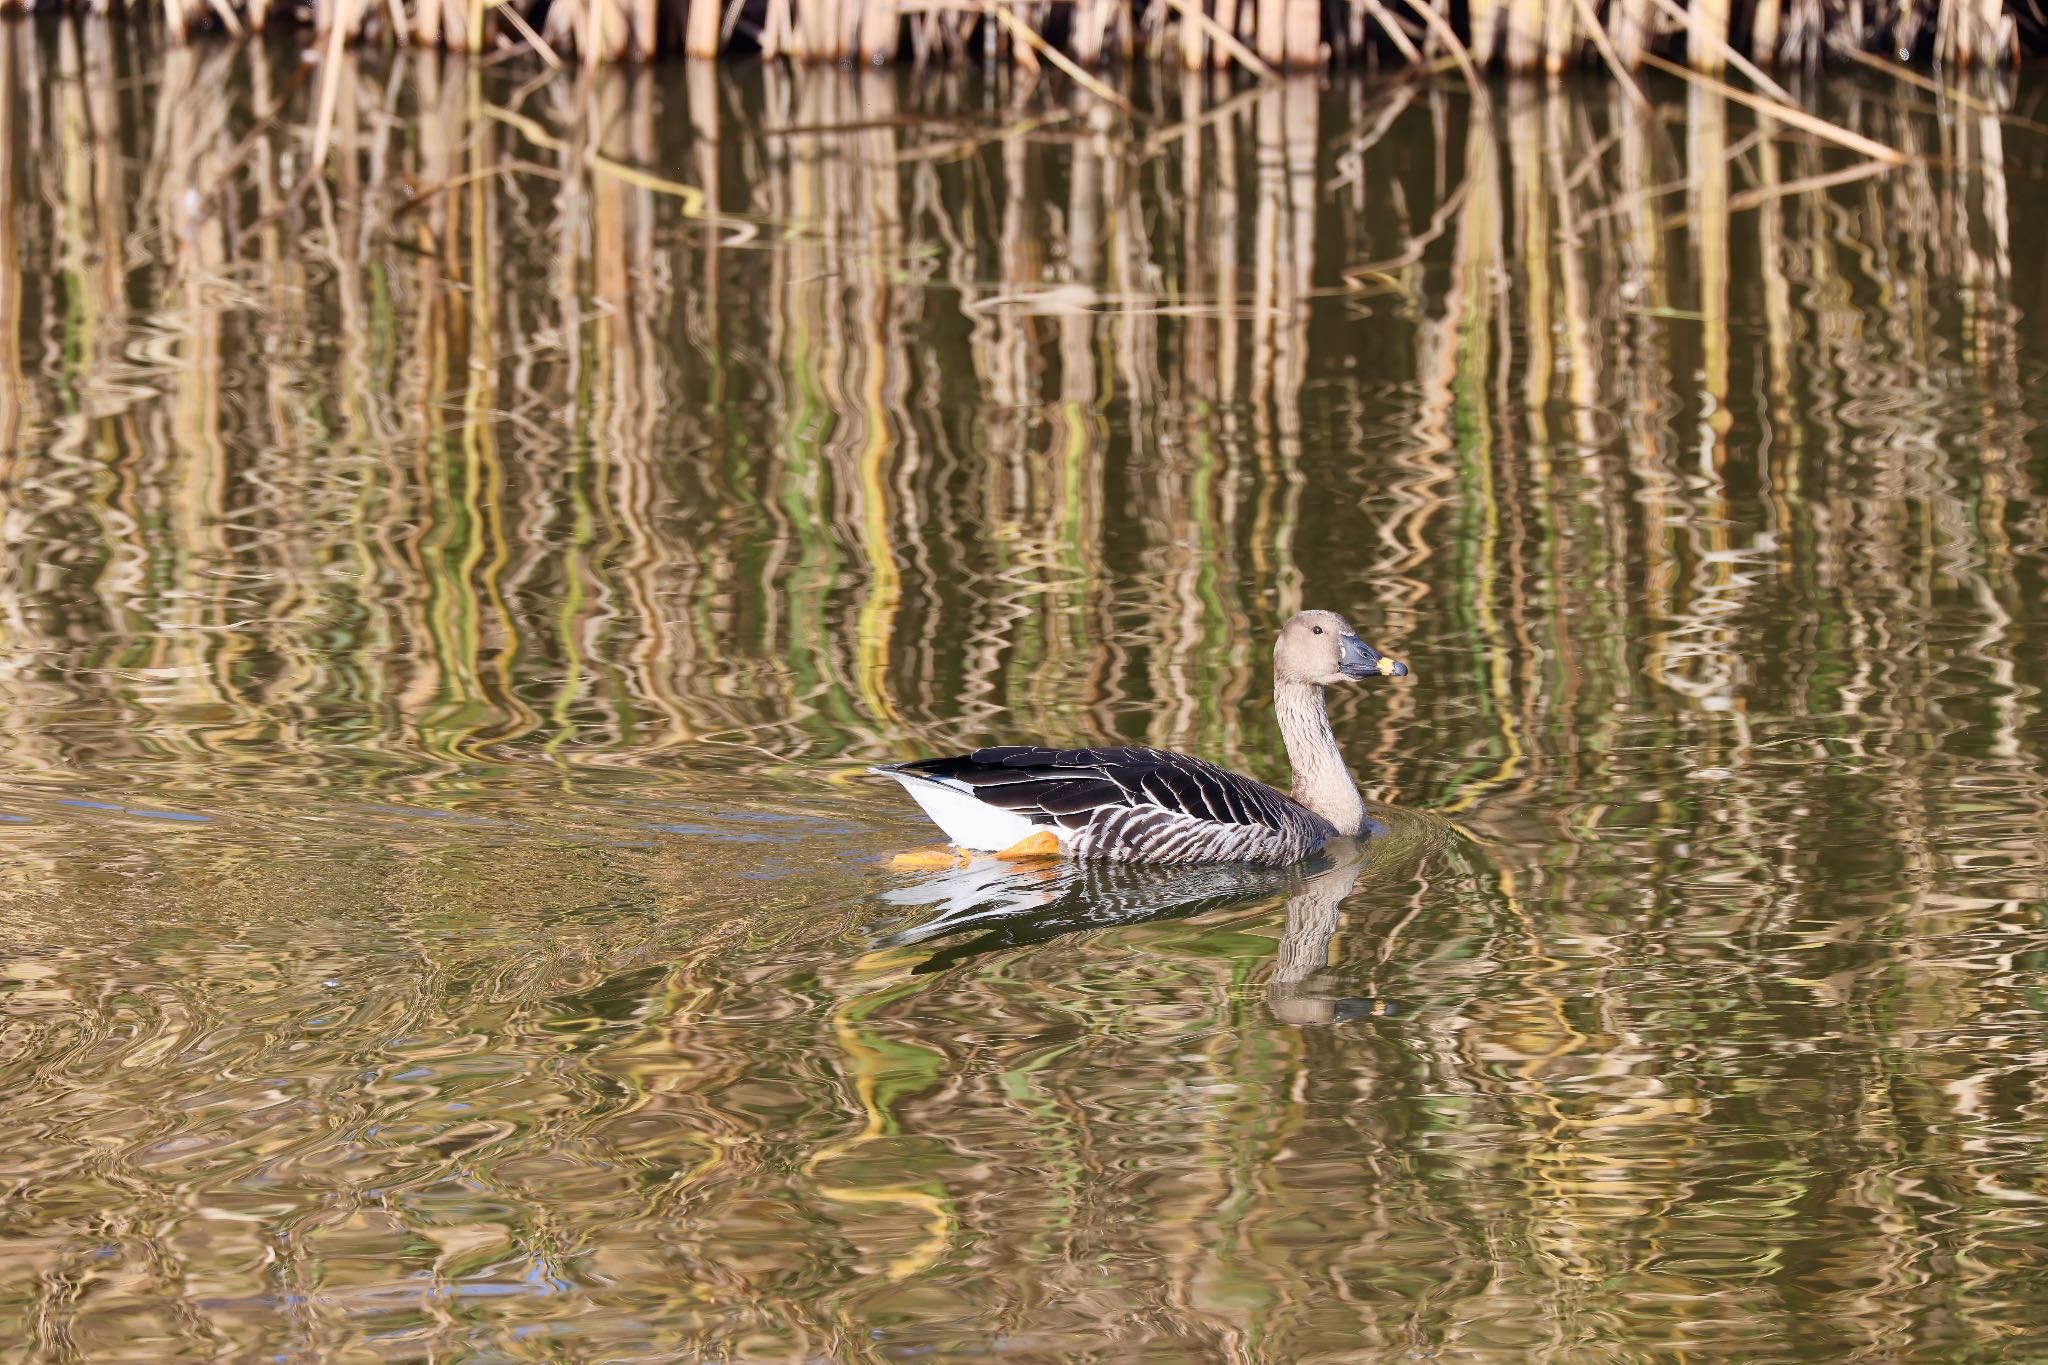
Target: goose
(1155, 806)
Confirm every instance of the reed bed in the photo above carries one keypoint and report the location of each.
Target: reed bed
(1077, 36)
(521, 236)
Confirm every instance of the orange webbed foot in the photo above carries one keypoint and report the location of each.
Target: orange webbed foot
(928, 859)
(1040, 844)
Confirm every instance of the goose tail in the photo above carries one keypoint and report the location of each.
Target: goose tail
(966, 819)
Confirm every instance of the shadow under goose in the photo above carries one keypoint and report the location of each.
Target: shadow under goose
(989, 905)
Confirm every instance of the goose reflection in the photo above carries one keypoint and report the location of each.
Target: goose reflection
(998, 905)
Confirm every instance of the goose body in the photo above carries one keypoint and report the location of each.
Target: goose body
(1156, 806)
(1140, 805)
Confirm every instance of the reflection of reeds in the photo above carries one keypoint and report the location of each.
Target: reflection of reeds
(763, 424)
(1175, 323)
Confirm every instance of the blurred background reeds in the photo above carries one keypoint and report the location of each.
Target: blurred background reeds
(1075, 36)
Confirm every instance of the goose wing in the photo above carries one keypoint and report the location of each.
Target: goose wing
(1151, 804)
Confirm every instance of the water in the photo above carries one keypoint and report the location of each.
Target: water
(449, 607)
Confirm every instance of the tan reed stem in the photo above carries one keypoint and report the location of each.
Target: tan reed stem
(1223, 38)
(1787, 113)
(1057, 58)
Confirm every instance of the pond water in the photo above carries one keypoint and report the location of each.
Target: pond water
(450, 602)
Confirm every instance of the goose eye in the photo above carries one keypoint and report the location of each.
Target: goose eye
(1318, 630)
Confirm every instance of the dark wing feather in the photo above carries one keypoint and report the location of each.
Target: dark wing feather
(1071, 785)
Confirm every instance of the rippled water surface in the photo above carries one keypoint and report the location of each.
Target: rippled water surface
(450, 602)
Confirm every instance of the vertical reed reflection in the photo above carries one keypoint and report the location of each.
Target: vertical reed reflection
(616, 462)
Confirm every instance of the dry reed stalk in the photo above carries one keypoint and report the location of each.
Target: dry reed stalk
(510, 9)
(1557, 36)
(1589, 21)
(1397, 33)
(801, 39)
(1983, 20)
(700, 33)
(1226, 42)
(1445, 34)
(1089, 28)
(1525, 35)
(1057, 58)
(1763, 31)
(1697, 34)
(618, 28)
(1482, 23)
(880, 30)
(564, 24)
(227, 17)
(1191, 53)
(330, 92)
(458, 33)
(1524, 50)
(1785, 112)
(842, 28)
(1628, 27)
(1302, 22)
(567, 26)
(1707, 35)
(1269, 33)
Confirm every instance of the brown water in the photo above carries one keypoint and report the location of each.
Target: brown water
(448, 608)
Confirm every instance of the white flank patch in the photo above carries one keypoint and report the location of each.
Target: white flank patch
(968, 822)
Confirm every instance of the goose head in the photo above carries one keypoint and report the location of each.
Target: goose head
(1320, 648)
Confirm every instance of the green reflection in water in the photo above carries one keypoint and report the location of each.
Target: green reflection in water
(448, 608)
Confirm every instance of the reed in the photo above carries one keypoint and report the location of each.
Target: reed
(1078, 35)
(1247, 243)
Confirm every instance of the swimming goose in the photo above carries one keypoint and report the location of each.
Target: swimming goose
(1153, 806)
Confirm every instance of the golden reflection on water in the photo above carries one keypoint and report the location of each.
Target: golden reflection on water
(448, 604)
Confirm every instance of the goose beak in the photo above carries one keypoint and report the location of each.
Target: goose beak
(1360, 660)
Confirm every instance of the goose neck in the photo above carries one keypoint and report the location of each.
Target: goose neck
(1321, 781)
